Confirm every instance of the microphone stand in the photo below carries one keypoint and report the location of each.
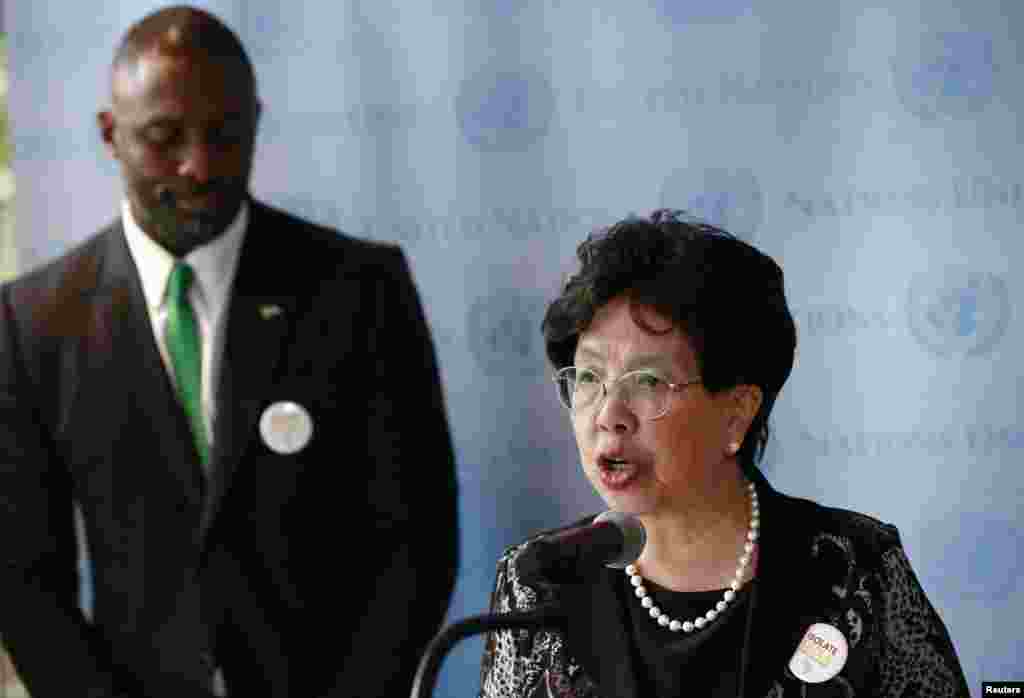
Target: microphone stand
(541, 618)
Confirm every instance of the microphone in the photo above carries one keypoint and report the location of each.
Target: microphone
(613, 539)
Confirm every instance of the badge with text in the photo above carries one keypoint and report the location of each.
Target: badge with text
(820, 655)
(286, 427)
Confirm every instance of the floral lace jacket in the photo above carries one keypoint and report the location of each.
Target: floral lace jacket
(817, 565)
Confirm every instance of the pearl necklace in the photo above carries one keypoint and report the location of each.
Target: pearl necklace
(675, 626)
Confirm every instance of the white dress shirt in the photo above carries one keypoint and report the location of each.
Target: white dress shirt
(214, 265)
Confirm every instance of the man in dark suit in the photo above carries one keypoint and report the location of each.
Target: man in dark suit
(246, 409)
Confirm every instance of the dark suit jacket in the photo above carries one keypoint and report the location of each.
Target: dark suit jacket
(816, 565)
(321, 573)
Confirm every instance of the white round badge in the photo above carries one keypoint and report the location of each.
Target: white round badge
(286, 427)
(820, 655)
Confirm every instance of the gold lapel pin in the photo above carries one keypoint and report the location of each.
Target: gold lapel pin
(269, 311)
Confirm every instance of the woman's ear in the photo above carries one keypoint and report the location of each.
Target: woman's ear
(744, 402)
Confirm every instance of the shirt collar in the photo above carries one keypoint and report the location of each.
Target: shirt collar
(214, 263)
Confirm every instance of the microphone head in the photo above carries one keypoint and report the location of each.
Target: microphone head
(634, 537)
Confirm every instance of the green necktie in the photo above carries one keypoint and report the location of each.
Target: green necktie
(182, 335)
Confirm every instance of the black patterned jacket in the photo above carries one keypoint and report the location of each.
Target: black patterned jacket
(816, 564)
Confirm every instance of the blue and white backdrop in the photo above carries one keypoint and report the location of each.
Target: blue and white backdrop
(874, 151)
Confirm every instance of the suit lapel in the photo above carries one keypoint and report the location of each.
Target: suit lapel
(261, 312)
(119, 352)
(786, 602)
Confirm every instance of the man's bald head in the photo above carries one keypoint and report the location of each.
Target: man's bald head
(182, 123)
(182, 30)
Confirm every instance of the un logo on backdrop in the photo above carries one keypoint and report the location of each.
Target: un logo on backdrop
(504, 110)
(953, 76)
(703, 11)
(504, 333)
(729, 199)
(985, 548)
(264, 30)
(958, 312)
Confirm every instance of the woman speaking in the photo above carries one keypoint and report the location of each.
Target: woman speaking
(670, 346)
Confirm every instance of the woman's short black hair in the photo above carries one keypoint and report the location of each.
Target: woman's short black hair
(726, 296)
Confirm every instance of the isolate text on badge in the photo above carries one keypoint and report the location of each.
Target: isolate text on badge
(820, 655)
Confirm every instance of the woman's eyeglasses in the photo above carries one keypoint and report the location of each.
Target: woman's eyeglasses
(643, 391)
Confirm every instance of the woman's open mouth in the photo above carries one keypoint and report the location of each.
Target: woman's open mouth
(616, 473)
